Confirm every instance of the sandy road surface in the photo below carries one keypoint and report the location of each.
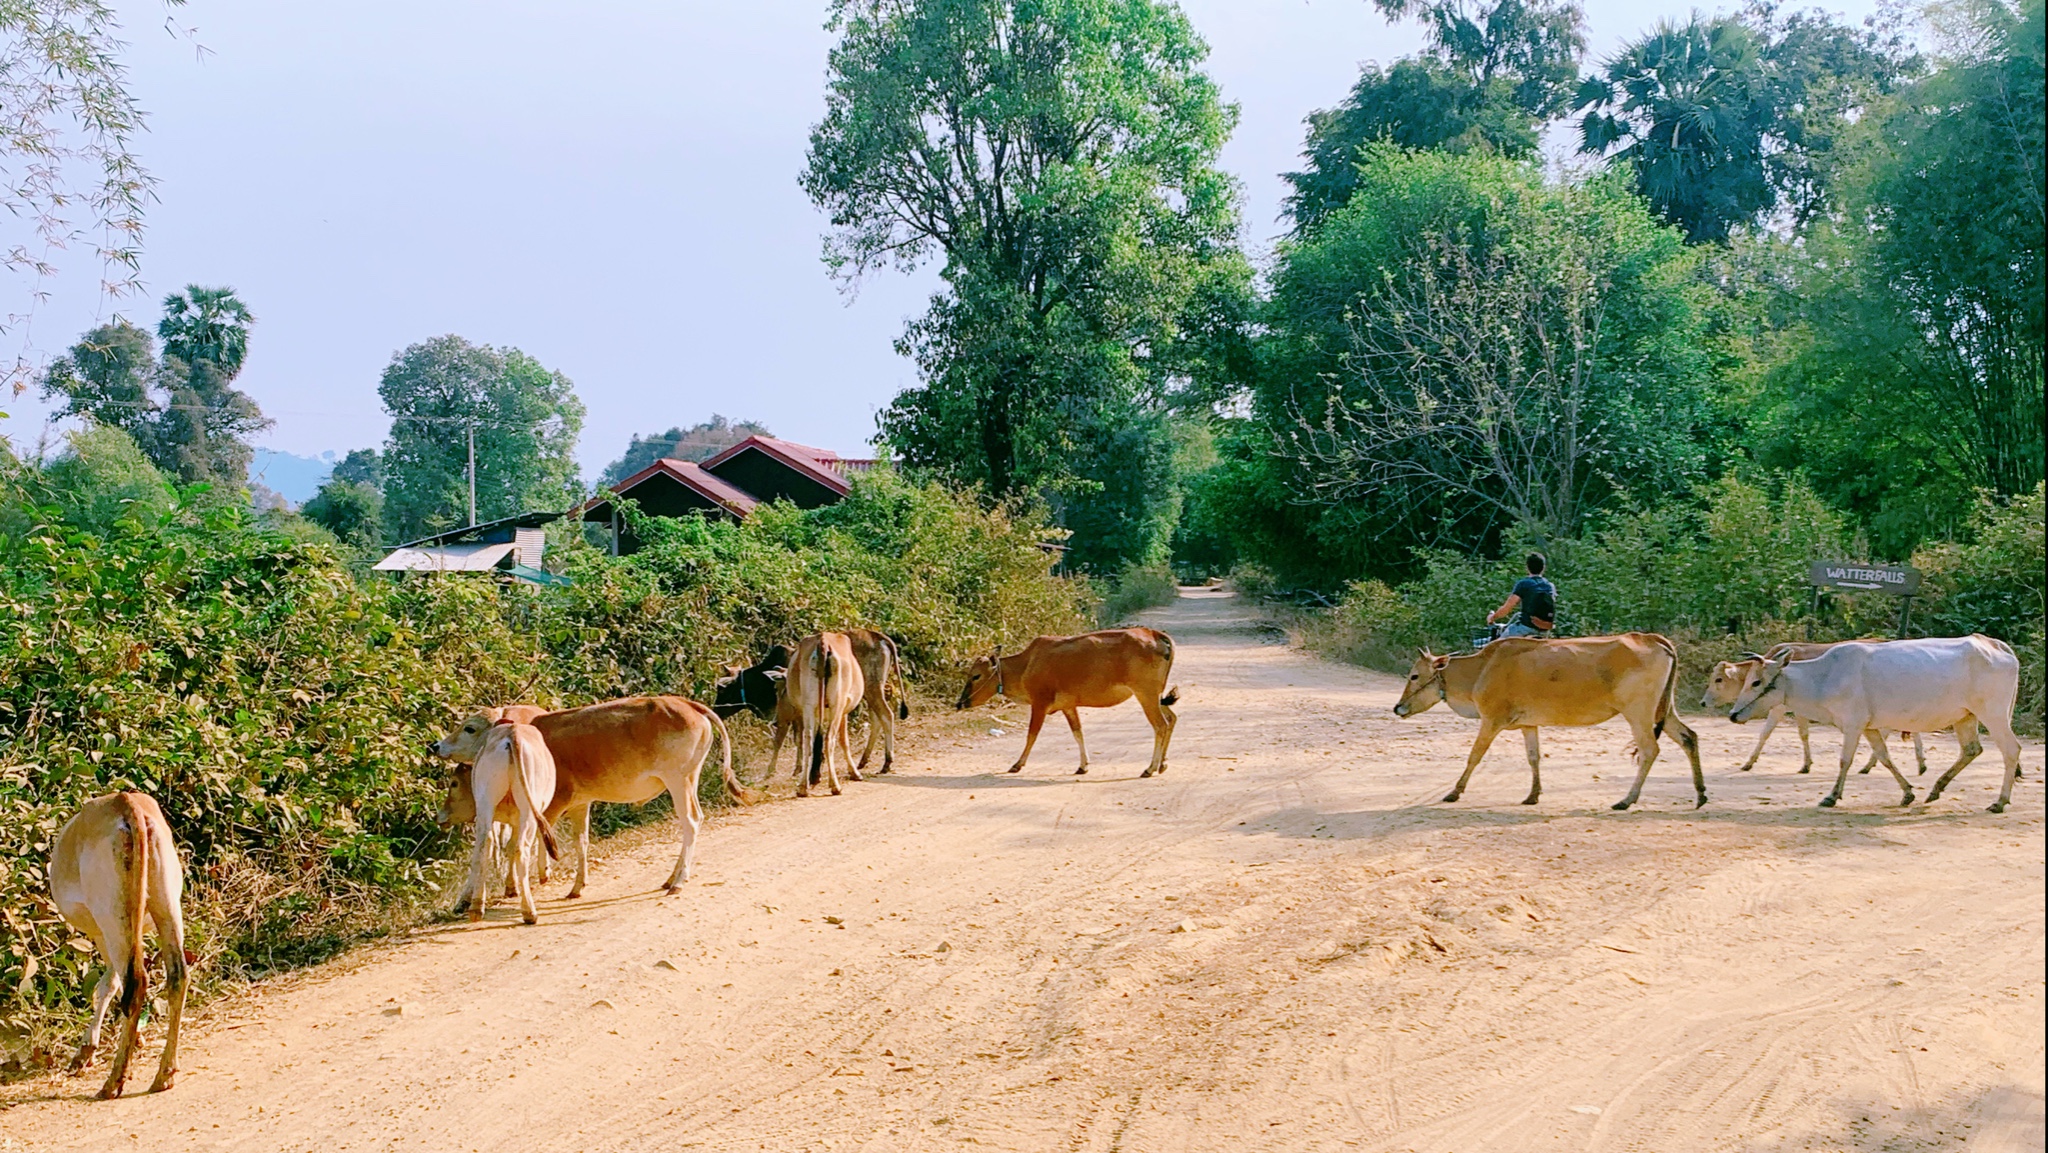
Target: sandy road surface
(1282, 944)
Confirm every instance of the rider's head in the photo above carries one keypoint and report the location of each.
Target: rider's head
(1535, 564)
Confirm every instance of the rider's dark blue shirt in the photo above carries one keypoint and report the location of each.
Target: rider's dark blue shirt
(1539, 601)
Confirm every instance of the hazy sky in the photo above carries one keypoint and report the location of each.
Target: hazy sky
(609, 185)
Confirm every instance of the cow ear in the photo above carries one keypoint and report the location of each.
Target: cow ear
(1440, 663)
(732, 671)
(777, 675)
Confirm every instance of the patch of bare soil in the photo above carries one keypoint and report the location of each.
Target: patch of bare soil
(1285, 943)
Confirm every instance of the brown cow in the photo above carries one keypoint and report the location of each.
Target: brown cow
(625, 751)
(824, 684)
(113, 870)
(1724, 685)
(1092, 671)
(1526, 683)
(881, 667)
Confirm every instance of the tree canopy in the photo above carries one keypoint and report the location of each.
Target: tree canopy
(697, 442)
(1059, 157)
(526, 420)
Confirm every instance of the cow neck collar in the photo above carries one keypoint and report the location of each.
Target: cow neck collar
(1000, 689)
(1443, 691)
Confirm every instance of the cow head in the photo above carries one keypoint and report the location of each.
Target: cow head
(1425, 685)
(1725, 682)
(463, 745)
(458, 805)
(1761, 690)
(755, 687)
(984, 680)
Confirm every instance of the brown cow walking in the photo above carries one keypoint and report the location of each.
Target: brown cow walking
(1525, 683)
(625, 751)
(1092, 671)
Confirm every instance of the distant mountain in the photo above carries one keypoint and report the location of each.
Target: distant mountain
(295, 478)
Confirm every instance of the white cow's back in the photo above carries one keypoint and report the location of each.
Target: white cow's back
(1918, 685)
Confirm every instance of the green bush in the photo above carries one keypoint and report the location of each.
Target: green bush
(277, 700)
(1137, 588)
(1725, 575)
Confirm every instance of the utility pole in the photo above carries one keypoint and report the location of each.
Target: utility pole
(472, 472)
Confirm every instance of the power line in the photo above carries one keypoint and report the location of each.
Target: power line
(474, 422)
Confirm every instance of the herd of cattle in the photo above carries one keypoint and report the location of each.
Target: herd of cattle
(528, 768)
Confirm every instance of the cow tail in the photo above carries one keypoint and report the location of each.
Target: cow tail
(738, 793)
(821, 667)
(1667, 701)
(1172, 696)
(523, 794)
(902, 688)
(135, 887)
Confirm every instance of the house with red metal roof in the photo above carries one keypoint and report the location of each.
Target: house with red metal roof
(757, 470)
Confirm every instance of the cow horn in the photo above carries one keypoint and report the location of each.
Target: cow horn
(1750, 656)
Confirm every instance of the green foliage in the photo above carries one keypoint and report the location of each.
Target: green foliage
(1724, 574)
(1060, 158)
(1907, 373)
(1137, 588)
(526, 420)
(1490, 80)
(1723, 119)
(276, 700)
(352, 510)
(698, 442)
(1463, 349)
(183, 412)
(67, 142)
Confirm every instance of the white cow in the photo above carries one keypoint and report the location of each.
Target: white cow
(1917, 686)
(1726, 681)
(515, 762)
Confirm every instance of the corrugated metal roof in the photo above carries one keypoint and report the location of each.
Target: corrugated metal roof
(447, 558)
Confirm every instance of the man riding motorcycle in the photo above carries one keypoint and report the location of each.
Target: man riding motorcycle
(1531, 609)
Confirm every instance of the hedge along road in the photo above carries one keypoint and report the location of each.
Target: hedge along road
(1285, 943)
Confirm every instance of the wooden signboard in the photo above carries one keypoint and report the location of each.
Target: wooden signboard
(1854, 576)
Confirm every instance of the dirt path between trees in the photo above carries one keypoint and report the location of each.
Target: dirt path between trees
(1285, 943)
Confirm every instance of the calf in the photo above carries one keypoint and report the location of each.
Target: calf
(626, 751)
(1916, 686)
(825, 682)
(759, 687)
(514, 766)
(1526, 683)
(1092, 671)
(114, 865)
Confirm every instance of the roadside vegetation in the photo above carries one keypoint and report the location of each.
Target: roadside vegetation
(170, 640)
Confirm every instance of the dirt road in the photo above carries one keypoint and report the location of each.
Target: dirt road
(1285, 944)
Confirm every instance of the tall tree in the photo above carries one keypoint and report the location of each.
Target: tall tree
(1724, 120)
(203, 433)
(1059, 156)
(183, 410)
(1491, 77)
(1462, 350)
(525, 419)
(697, 442)
(1920, 312)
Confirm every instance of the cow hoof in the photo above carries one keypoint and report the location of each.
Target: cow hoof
(1530, 799)
(108, 1092)
(164, 1082)
(835, 792)
(1016, 768)
(1906, 800)
(1701, 803)
(1082, 771)
(1749, 766)
(1621, 806)
(1997, 806)
(1806, 768)
(1827, 802)
(572, 894)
